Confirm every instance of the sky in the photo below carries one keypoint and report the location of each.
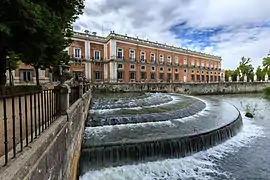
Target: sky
(227, 28)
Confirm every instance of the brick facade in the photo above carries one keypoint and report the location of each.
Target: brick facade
(119, 58)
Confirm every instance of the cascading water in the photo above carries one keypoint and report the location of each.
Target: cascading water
(156, 126)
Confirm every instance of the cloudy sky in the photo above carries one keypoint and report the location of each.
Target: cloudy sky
(228, 28)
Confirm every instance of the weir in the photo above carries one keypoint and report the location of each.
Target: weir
(150, 139)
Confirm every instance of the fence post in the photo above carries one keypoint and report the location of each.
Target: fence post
(63, 98)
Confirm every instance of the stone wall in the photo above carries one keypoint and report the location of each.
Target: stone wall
(55, 154)
(187, 88)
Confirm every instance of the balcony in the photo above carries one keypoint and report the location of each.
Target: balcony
(132, 59)
(143, 60)
(152, 61)
(169, 63)
(120, 58)
(97, 58)
(161, 62)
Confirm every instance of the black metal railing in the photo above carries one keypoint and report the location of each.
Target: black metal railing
(25, 116)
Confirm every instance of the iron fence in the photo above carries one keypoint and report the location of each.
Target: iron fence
(25, 116)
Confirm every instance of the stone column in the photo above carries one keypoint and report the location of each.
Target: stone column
(185, 78)
(230, 79)
(266, 77)
(62, 98)
(245, 78)
(237, 78)
(255, 78)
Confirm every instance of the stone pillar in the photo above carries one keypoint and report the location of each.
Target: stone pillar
(237, 78)
(266, 77)
(62, 98)
(255, 78)
(185, 78)
(245, 78)
(230, 79)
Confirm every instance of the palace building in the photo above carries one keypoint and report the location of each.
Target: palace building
(123, 59)
(120, 58)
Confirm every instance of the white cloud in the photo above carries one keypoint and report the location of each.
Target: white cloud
(153, 19)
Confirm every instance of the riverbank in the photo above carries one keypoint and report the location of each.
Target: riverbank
(185, 88)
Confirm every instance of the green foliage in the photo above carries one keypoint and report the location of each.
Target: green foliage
(39, 30)
(266, 62)
(12, 60)
(230, 73)
(266, 92)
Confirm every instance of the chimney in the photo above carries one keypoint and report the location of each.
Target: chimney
(86, 32)
(94, 33)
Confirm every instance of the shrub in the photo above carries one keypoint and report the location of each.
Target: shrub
(266, 92)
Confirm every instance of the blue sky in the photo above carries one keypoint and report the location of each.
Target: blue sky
(227, 28)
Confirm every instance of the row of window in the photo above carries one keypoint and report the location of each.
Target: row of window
(78, 53)
(161, 76)
(153, 68)
(120, 54)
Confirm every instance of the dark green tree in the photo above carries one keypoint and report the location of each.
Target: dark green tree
(260, 74)
(39, 30)
(266, 62)
(230, 73)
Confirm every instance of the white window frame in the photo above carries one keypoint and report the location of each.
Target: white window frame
(198, 62)
(152, 68)
(161, 58)
(192, 62)
(169, 59)
(118, 50)
(80, 52)
(202, 63)
(176, 60)
(132, 65)
(152, 57)
(143, 69)
(185, 60)
(96, 51)
(132, 58)
(207, 64)
(119, 67)
(219, 66)
(142, 54)
(176, 70)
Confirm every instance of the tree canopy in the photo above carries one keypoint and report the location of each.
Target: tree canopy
(245, 68)
(38, 30)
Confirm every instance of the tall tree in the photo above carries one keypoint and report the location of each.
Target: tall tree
(266, 62)
(245, 68)
(35, 28)
(259, 73)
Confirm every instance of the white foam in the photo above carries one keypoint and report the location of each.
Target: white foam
(175, 99)
(198, 166)
(99, 130)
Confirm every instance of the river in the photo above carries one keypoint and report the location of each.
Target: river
(244, 156)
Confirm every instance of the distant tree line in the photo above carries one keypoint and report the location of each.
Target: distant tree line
(245, 68)
(36, 32)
